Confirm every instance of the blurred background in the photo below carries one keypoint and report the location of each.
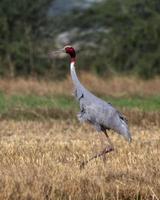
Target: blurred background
(111, 36)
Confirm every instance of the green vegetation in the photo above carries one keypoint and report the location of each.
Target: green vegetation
(22, 25)
(25, 102)
(114, 37)
(146, 104)
(126, 35)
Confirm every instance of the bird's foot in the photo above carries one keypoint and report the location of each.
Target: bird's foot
(107, 150)
(102, 153)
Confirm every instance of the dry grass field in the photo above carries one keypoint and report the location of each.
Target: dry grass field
(114, 86)
(40, 158)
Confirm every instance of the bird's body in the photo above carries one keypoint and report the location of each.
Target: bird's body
(97, 111)
(102, 115)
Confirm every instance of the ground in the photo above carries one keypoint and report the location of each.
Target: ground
(41, 148)
(41, 160)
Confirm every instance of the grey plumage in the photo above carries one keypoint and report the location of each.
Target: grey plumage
(95, 110)
(98, 112)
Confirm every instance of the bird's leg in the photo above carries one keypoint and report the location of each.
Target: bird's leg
(103, 152)
(106, 149)
(110, 147)
(103, 144)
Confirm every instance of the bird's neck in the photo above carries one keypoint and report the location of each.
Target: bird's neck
(72, 65)
(73, 72)
(73, 60)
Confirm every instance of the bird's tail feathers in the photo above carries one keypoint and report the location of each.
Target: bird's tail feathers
(124, 128)
(122, 117)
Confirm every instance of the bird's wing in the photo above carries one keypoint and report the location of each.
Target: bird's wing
(122, 117)
(95, 109)
(78, 93)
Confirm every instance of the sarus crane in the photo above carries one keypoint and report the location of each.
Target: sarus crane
(102, 115)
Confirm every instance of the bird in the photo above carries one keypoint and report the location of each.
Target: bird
(94, 110)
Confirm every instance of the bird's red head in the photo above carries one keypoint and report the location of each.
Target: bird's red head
(71, 51)
(67, 49)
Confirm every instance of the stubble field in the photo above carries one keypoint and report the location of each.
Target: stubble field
(41, 152)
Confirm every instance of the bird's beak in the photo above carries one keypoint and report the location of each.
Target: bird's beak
(53, 54)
